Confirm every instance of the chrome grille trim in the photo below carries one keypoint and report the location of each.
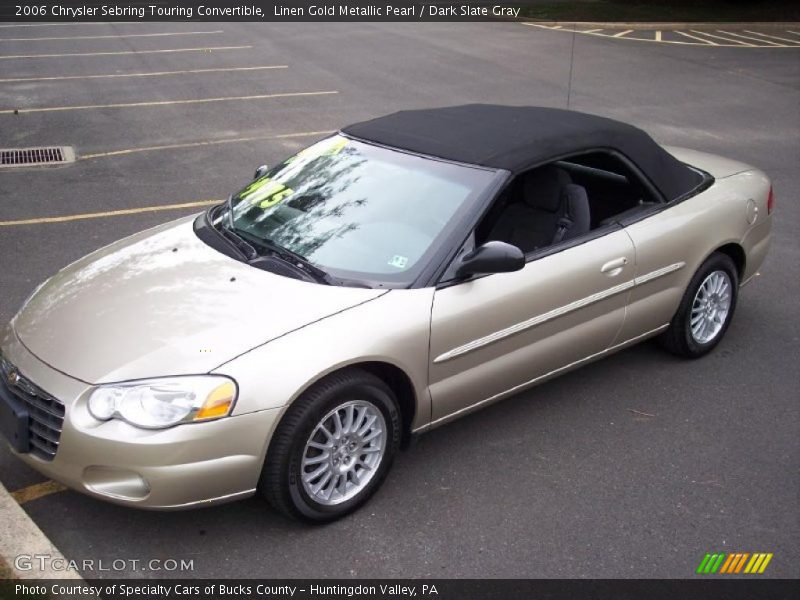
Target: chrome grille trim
(46, 413)
(49, 435)
(42, 449)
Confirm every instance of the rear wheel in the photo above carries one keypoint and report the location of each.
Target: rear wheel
(333, 447)
(706, 309)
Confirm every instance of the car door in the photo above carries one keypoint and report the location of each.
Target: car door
(670, 246)
(494, 334)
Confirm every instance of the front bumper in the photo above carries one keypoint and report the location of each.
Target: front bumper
(180, 467)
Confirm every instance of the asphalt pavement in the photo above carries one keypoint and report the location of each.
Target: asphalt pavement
(635, 466)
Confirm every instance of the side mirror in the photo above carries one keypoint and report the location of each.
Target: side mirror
(261, 171)
(491, 257)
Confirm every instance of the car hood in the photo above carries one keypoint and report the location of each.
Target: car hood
(162, 302)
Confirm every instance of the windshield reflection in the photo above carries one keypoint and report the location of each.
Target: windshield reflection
(355, 208)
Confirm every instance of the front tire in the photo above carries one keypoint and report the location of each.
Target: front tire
(333, 447)
(706, 309)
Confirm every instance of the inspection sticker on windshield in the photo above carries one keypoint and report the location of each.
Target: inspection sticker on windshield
(398, 261)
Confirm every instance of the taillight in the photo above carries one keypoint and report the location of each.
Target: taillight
(770, 201)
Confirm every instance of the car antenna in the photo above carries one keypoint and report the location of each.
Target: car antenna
(571, 62)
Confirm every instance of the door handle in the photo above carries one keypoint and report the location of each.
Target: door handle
(614, 267)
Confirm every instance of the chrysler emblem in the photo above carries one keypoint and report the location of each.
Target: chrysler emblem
(13, 377)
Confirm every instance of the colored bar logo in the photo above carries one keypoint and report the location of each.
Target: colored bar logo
(735, 562)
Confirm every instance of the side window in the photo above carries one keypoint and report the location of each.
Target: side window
(614, 190)
(563, 200)
(539, 208)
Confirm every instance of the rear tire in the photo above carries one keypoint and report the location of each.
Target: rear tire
(333, 447)
(706, 309)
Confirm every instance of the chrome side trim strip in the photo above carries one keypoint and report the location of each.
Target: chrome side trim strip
(659, 273)
(209, 501)
(531, 382)
(557, 312)
(750, 279)
(533, 322)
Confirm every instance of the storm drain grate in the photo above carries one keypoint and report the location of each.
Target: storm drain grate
(32, 157)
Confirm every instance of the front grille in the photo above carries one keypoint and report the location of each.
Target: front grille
(46, 413)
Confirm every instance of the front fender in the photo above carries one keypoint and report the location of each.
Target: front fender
(394, 329)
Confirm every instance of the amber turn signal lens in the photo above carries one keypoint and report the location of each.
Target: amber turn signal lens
(218, 403)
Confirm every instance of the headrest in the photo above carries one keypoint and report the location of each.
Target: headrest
(542, 188)
(578, 210)
(576, 196)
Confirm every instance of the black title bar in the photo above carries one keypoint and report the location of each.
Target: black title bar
(732, 588)
(259, 10)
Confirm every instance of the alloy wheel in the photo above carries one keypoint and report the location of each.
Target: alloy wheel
(343, 452)
(710, 307)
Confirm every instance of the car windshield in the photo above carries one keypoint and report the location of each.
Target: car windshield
(358, 210)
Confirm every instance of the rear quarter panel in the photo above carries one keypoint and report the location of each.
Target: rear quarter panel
(733, 210)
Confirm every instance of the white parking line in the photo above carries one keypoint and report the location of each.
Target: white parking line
(105, 37)
(749, 37)
(151, 74)
(164, 102)
(701, 39)
(719, 37)
(709, 42)
(120, 53)
(774, 37)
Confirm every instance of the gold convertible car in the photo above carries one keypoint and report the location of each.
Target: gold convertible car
(384, 281)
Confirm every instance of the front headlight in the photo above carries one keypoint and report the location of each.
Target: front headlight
(159, 403)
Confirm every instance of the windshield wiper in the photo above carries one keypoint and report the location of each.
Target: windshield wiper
(246, 244)
(210, 216)
(289, 256)
(228, 231)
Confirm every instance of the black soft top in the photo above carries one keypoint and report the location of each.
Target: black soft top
(517, 138)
